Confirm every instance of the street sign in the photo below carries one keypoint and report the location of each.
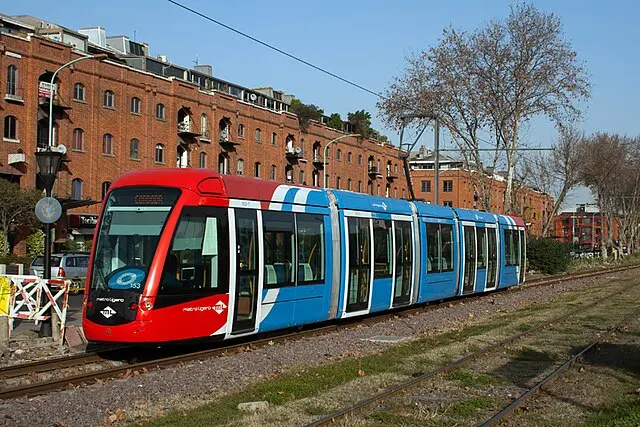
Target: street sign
(44, 89)
(48, 210)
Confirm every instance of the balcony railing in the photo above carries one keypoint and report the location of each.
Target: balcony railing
(186, 129)
(205, 135)
(293, 152)
(373, 170)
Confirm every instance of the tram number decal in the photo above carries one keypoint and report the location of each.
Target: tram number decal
(127, 279)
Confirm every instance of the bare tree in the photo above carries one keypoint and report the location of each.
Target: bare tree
(558, 171)
(498, 77)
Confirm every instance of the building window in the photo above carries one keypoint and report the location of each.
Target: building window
(134, 149)
(76, 189)
(338, 183)
(223, 163)
(274, 172)
(109, 99)
(426, 186)
(105, 188)
(240, 131)
(203, 160)
(78, 92)
(78, 140)
(360, 159)
(350, 157)
(10, 127)
(12, 80)
(349, 184)
(448, 186)
(274, 138)
(449, 204)
(135, 105)
(339, 155)
(107, 144)
(240, 169)
(359, 186)
(204, 125)
(159, 153)
(378, 190)
(370, 188)
(161, 113)
(301, 178)
(257, 170)
(258, 135)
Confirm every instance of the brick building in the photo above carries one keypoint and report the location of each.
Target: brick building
(457, 190)
(132, 111)
(581, 227)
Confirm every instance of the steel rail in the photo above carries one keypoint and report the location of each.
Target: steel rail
(76, 360)
(557, 372)
(365, 403)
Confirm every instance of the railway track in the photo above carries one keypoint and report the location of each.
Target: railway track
(34, 388)
(367, 404)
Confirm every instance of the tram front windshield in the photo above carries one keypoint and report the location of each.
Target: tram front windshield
(132, 222)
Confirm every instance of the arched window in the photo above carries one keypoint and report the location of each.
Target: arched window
(204, 126)
(159, 153)
(12, 80)
(258, 135)
(359, 186)
(370, 188)
(78, 140)
(76, 189)
(105, 188)
(378, 190)
(240, 169)
(339, 155)
(135, 105)
(78, 92)
(350, 157)
(160, 112)
(182, 157)
(349, 184)
(107, 144)
(223, 163)
(203, 160)
(315, 178)
(338, 182)
(109, 99)
(240, 130)
(10, 127)
(360, 159)
(274, 172)
(134, 149)
(301, 178)
(257, 170)
(274, 138)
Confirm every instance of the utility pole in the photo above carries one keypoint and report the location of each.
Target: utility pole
(436, 149)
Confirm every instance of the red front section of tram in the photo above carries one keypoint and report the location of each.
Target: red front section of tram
(146, 220)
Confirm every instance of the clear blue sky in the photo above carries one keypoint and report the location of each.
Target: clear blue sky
(362, 40)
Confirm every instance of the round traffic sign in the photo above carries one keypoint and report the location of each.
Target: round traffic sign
(48, 210)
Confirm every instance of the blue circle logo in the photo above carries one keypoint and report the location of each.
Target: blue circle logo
(130, 278)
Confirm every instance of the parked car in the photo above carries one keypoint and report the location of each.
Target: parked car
(68, 265)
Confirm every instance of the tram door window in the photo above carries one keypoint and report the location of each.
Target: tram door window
(439, 248)
(481, 240)
(470, 253)
(523, 255)
(404, 262)
(246, 270)
(492, 263)
(359, 264)
(382, 248)
(279, 243)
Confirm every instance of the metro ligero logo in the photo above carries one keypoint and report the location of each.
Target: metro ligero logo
(108, 312)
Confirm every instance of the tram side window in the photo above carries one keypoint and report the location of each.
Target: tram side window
(481, 237)
(198, 259)
(511, 242)
(310, 232)
(382, 247)
(439, 248)
(359, 263)
(515, 255)
(279, 241)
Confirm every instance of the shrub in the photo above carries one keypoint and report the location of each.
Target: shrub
(547, 255)
(35, 243)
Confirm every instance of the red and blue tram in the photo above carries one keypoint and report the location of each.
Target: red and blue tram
(183, 254)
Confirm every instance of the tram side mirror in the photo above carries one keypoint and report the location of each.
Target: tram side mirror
(210, 243)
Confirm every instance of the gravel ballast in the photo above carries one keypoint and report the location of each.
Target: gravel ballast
(196, 383)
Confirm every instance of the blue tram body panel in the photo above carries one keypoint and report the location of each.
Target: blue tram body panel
(508, 273)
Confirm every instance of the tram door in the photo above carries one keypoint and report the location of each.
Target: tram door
(246, 295)
(470, 253)
(404, 263)
(492, 261)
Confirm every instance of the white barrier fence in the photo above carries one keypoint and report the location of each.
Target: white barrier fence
(30, 297)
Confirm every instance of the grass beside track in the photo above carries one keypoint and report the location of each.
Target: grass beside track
(303, 394)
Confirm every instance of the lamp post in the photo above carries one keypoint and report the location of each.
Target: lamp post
(326, 147)
(48, 165)
(53, 79)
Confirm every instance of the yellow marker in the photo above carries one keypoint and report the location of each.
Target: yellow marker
(5, 295)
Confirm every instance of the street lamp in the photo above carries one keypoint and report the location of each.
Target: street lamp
(48, 165)
(99, 57)
(326, 147)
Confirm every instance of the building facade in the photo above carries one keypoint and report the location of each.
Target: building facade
(131, 111)
(582, 227)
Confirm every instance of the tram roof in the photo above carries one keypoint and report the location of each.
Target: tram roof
(476, 216)
(368, 203)
(431, 210)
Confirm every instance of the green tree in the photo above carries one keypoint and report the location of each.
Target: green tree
(17, 209)
(305, 113)
(335, 121)
(361, 122)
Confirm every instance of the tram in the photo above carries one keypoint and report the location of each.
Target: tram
(184, 254)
